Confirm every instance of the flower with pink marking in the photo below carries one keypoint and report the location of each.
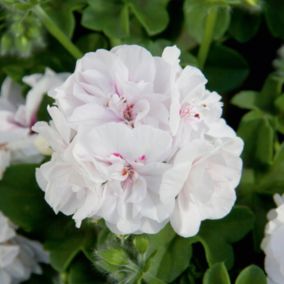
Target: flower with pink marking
(18, 115)
(130, 90)
(130, 188)
(139, 141)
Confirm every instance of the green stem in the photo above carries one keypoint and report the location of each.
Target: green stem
(57, 32)
(208, 36)
(63, 278)
(115, 41)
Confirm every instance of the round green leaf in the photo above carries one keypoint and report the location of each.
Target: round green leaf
(245, 99)
(22, 200)
(274, 11)
(111, 17)
(225, 69)
(82, 272)
(272, 181)
(244, 24)
(196, 12)
(251, 274)
(217, 236)
(91, 42)
(151, 14)
(217, 274)
(257, 131)
(175, 260)
(66, 20)
(64, 241)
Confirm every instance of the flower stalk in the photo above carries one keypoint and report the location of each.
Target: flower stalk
(56, 32)
(207, 37)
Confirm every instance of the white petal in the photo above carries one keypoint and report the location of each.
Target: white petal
(11, 93)
(186, 218)
(7, 254)
(138, 61)
(40, 86)
(171, 55)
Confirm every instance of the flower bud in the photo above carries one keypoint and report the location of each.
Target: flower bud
(113, 256)
(141, 243)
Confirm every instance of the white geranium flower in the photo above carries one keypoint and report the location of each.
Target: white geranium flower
(125, 84)
(63, 181)
(99, 175)
(19, 257)
(128, 165)
(272, 244)
(18, 115)
(203, 181)
(193, 107)
(138, 141)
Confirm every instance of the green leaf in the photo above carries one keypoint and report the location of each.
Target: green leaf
(155, 47)
(257, 131)
(111, 17)
(217, 274)
(271, 90)
(244, 24)
(272, 181)
(187, 58)
(66, 20)
(247, 182)
(279, 104)
(245, 99)
(152, 279)
(22, 200)
(260, 204)
(196, 12)
(175, 260)
(251, 274)
(274, 10)
(82, 272)
(158, 244)
(217, 236)
(64, 242)
(151, 14)
(225, 69)
(168, 255)
(92, 42)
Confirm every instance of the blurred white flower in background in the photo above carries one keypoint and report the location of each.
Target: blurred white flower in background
(139, 142)
(19, 114)
(19, 256)
(273, 243)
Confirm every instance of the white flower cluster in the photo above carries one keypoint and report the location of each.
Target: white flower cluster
(139, 142)
(19, 256)
(19, 114)
(272, 244)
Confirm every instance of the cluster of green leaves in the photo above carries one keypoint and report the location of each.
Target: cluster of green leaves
(215, 35)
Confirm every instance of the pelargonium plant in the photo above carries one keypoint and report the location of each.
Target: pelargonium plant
(141, 142)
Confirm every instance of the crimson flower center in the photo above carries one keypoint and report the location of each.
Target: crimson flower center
(186, 111)
(128, 113)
